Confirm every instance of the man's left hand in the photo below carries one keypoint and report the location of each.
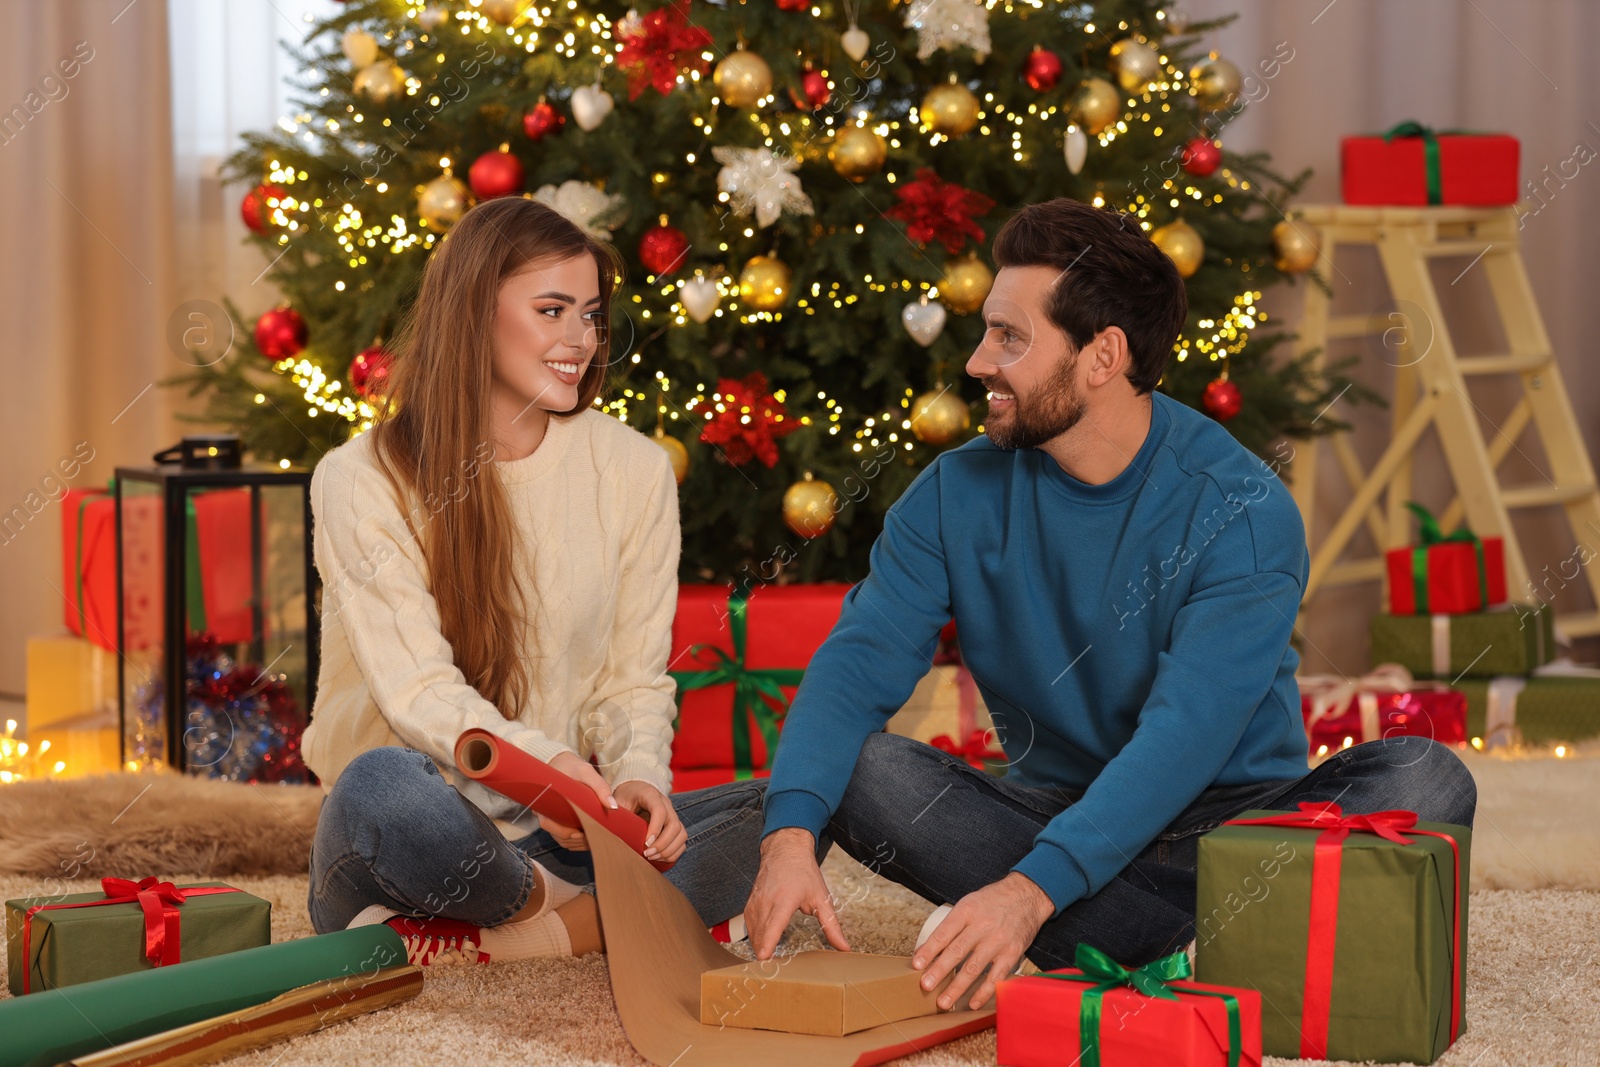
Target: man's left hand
(666, 837)
(990, 928)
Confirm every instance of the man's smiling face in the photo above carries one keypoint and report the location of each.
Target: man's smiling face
(1028, 365)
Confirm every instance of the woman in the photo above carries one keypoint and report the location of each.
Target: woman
(498, 553)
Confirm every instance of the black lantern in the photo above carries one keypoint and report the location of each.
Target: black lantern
(216, 613)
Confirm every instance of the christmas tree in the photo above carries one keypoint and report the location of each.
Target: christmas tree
(803, 190)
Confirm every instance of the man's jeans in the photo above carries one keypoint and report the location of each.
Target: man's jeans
(394, 832)
(925, 819)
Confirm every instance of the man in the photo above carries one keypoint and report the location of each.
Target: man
(1124, 578)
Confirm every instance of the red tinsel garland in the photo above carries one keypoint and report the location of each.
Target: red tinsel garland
(938, 210)
(665, 45)
(743, 441)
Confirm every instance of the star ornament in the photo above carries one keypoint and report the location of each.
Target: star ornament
(949, 24)
(760, 182)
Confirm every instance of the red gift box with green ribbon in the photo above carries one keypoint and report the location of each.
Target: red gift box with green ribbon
(1102, 1014)
(738, 659)
(1413, 165)
(1445, 574)
(218, 554)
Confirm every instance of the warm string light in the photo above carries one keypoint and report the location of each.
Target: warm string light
(1226, 337)
(20, 762)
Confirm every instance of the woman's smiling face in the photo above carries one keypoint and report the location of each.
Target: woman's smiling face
(547, 327)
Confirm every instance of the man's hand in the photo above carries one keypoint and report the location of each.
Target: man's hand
(990, 928)
(666, 837)
(574, 766)
(789, 880)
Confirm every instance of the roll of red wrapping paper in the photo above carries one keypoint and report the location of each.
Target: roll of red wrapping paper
(509, 771)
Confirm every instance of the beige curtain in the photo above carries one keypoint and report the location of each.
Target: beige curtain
(86, 278)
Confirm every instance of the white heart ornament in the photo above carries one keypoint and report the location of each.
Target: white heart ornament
(700, 297)
(855, 42)
(590, 105)
(1076, 148)
(924, 321)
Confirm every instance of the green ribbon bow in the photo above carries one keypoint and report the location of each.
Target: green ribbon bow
(1431, 535)
(1430, 152)
(749, 686)
(1151, 980)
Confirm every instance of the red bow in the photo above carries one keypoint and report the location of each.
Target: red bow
(974, 751)
(157, 899)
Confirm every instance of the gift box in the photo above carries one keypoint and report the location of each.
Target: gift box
(1388, 702)
(738, 661)
(1445, 574)
(1352, 927)
(88, 744)
(68, 678)
(1481, 644)
(127, 927)
(218, 525)
(1103, 1013)
(1559, 703)
(829, 994)
(1413, 165)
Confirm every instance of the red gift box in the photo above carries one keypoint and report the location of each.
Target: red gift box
(221, 529)
(1445, 574)
(1411, 165)
(748, 652)
(1040, 1021)
(1385, 703)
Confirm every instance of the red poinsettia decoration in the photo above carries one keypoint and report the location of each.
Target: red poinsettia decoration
(940, 210)
(748, 422)
(662, 46)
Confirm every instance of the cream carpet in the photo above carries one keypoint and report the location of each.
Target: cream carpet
(1534, 943)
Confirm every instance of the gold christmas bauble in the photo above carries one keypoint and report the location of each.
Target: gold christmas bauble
(505, 12)
(764, 283)
(442, 201)
(939, 415)
(809, 506)
(1295, 245)
(857, 152)
(1136, 64)
(676, 453)
(1216, 84)
(380, 81)
(1095, 105)
(950, 109)
(743, 78)
(965, 285)
(1182, 245)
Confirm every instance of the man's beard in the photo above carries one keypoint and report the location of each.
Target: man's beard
(1053, 408)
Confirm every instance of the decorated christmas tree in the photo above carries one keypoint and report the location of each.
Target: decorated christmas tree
(803, 191)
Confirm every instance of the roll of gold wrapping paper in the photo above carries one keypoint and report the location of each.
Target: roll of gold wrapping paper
(48, 1027)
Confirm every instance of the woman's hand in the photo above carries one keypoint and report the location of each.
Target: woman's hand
(666, 838)
(574, 766)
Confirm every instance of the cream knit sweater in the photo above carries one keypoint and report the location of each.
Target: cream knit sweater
(596, 506)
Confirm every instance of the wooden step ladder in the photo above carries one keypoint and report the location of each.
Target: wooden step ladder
(1431, 390)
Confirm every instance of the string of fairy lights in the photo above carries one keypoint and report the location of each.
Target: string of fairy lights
(571, 34)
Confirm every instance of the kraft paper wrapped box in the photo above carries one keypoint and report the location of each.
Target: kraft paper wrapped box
(69, 945)
(1482, 644)
(829, 994)
(1378, 970)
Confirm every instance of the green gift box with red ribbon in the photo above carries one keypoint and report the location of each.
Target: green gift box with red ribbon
(1445, 574)
(1101, 1014)
(1412, 165)
(128, 926)
(738, 658)
(1353, 928)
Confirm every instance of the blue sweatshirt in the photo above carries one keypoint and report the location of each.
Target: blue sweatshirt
(1130, 639)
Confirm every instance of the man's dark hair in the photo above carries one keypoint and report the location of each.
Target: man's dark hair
(1112, 275)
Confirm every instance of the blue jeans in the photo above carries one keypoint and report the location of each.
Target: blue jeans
(926, 820)
(392, 831)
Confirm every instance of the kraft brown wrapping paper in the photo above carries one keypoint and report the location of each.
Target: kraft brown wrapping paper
(657, 948)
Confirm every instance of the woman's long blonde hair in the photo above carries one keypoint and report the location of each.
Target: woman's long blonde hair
(433, 439)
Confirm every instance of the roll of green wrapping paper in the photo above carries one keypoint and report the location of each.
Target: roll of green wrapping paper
(44, 1028)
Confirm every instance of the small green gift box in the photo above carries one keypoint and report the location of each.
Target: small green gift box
(128, 926)
(1480, 644)
(1352, 927)
(1550, 707)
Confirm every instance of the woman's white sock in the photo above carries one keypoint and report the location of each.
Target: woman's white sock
(528, 939)
(557, 891)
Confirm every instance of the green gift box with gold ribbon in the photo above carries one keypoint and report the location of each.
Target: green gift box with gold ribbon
(738, 657)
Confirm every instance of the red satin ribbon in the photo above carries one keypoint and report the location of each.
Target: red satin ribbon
(975, 750)
(158, 900)
(1326, 865)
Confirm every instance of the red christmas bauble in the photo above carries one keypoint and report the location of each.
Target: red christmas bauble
(1201, 157)
(369, 372)
(1042, 69)
(793, 5)
(662, 249)
(542, 119)
(255, 209)
(280, 333)
(814, 91)
(495, 174)
(1222, 399)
